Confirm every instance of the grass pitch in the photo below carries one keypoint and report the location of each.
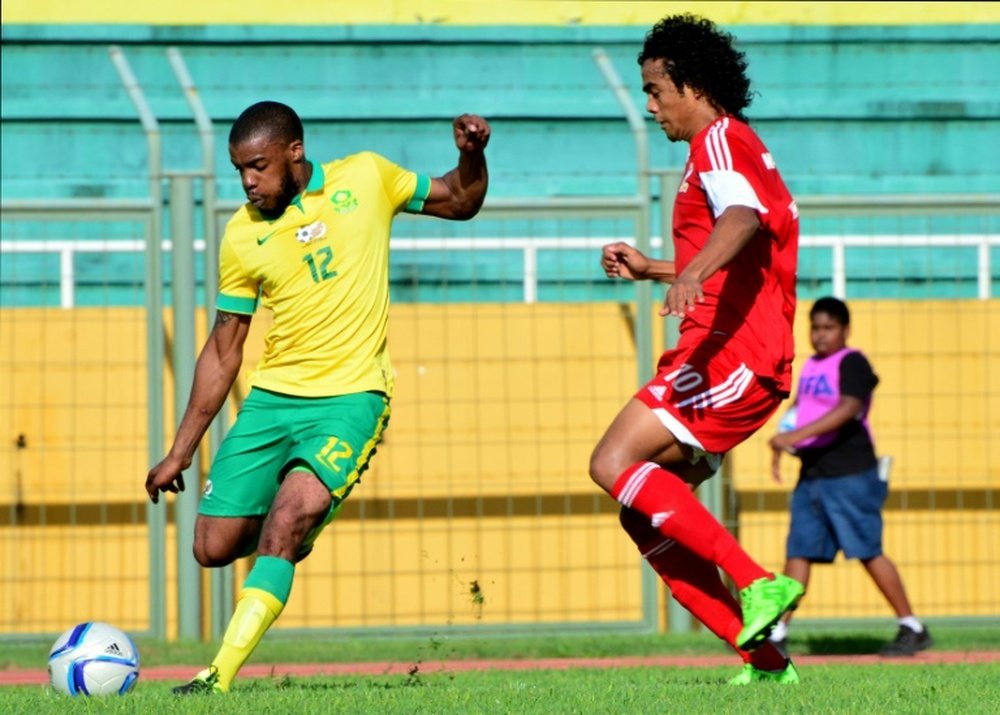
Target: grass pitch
(886, 687)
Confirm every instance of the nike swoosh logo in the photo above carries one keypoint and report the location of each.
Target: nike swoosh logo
(262, 239)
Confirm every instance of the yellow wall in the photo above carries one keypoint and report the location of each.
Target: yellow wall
(493, 401)
(491, 12)
(53, 576)
(496, 411)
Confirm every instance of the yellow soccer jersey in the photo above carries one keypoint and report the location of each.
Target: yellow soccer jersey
(323, 268)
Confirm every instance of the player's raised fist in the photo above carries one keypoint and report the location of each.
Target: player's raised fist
(472, 132)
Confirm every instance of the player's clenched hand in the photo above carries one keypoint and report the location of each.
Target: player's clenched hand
(165, 477)
(682, 297)
(472, 132)
(620, 260)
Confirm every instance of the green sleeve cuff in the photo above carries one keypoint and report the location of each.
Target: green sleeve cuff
(232, 304)
(420, 194)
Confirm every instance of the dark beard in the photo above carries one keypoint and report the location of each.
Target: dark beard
(289, 190)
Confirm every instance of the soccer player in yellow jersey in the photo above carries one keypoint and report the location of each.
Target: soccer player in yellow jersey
(311, 244)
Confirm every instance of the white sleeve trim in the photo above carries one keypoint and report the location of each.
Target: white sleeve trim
(726, 188)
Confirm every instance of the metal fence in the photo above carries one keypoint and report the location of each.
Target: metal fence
(510, 485)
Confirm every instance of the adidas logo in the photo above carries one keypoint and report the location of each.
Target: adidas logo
(113, 649)
(658, 391)
(660, 517)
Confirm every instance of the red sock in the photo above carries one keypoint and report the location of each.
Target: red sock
(767, 657)
(673, 509)
(696, 585)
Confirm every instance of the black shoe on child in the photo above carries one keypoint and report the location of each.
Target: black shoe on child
(908, 642)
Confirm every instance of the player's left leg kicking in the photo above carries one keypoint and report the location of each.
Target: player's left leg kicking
(644, 461)
(334, 440)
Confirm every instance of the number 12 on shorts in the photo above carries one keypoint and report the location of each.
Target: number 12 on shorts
(334, 450)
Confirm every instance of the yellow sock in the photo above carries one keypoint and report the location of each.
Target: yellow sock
(255, 611)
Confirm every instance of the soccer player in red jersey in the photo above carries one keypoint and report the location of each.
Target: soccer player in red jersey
(735, 234)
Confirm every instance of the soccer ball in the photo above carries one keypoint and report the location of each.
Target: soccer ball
(93, 659)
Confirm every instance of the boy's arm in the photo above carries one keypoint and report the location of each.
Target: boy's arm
(843, 412)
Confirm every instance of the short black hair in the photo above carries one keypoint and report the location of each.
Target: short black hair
(697, 54)
(271, 119)
(834, 307)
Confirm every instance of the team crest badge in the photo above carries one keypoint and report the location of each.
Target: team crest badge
(308, 234)
(343, 201)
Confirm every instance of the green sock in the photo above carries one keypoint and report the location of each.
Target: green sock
(272, 574)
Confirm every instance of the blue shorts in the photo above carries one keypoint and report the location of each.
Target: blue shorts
(831, 514)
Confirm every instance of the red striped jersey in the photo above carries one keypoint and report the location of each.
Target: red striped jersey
(749, 302)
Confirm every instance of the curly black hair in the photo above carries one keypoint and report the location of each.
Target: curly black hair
(697, 54)
(272, 119)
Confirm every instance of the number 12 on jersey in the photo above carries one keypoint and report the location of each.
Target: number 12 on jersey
(319, 264)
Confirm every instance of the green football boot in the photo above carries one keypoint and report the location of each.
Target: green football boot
(749, 674)
(764, 602)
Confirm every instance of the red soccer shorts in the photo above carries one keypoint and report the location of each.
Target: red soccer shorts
(708, 398)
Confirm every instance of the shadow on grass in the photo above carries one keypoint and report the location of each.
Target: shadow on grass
(832, 644)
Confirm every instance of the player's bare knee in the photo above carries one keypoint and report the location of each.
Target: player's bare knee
(597, 468)
(213, 555)
(605, 468)
(220, 541)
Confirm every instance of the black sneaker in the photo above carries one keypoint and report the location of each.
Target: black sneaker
(206, 682)
(908, 642)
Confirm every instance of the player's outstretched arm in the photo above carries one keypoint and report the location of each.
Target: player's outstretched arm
(620, 260)
(459, 194)
(214, 374)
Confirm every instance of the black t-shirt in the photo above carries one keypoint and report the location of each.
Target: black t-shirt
(852, 451)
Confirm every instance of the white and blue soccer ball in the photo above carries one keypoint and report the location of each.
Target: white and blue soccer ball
(93, 659)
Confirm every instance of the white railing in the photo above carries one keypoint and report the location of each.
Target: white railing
(529, 248)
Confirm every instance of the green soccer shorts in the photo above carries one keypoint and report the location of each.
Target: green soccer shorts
(332, 437)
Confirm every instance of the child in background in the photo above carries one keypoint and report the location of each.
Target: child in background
(837, 503)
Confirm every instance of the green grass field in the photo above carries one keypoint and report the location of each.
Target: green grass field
(827, 689)
(886, 687)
